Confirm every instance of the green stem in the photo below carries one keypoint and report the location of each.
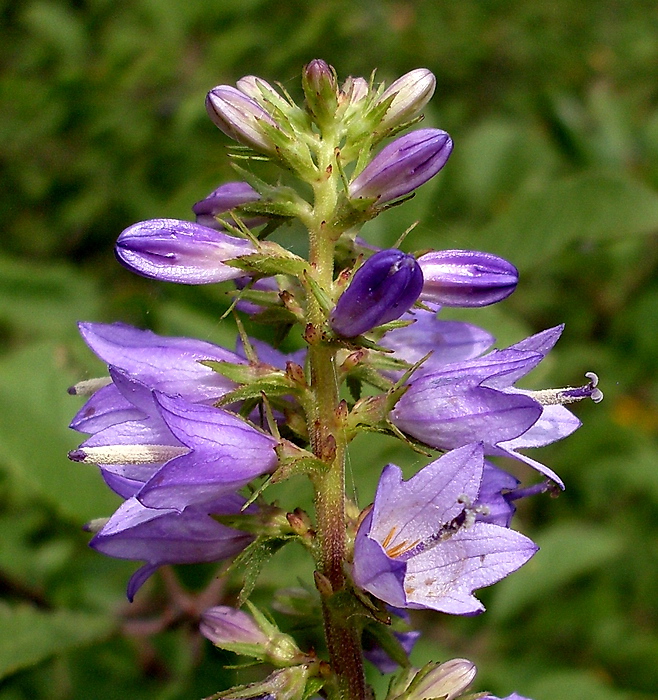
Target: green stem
(328, 444)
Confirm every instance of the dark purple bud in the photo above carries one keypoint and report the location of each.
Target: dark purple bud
(466, 278)
(382, 289)
(241, 118)
(180, 251)
(223, 199)
(402, 166)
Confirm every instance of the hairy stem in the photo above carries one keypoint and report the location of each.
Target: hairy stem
(328, 444)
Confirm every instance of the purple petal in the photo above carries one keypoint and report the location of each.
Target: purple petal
(226, 453)
(444, 577)
(170, 365)
(448, 341)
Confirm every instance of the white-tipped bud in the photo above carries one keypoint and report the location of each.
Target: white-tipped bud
(410, 94)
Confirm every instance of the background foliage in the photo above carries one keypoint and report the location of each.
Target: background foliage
(554, 111)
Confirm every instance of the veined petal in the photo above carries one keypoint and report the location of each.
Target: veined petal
(225, 454)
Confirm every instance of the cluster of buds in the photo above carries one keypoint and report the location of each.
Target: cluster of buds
(181, 427)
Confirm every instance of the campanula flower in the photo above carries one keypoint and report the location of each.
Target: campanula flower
(382, 289)
(476, 400)
(421, 545)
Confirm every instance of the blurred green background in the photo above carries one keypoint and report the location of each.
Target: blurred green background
(553, 107)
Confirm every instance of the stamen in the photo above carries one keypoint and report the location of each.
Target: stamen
(569, 394)
(88, 387)
(389, 537)
(400, 549)
(126, 454)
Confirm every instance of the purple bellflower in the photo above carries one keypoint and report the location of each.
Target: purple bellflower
(402, 166)
(176, 453)
(466, 278)
(476, 400)
(228, 196)
(166, 536)
(513, 696)
(180, 251)
(382, 289)
(421, 545)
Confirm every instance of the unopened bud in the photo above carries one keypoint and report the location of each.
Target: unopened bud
(446, 681)
(466, 278)
(241, 118)
(226, 197)
(321, 90)
(382, 289)
(180, 251)
(410, 93)
(402, 166)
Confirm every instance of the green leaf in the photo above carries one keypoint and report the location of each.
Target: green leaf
(567, 551)
(591, 206)
(250, 562)
(29, 636)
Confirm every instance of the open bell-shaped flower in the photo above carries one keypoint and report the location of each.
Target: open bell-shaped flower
(382, 289)
(421, 545)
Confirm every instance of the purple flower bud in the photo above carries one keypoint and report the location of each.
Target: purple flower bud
(411, 93)
(466, 278)
(241, 118)
(402, 166)
(382, 289)
(226, 197)
(224, 625)
(180, 251)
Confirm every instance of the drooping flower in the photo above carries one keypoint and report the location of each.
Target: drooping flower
(167, 536)
(466, 278)
(421, 545)
(382, 289)
(180, 251)
(476, 400)
(402, 166)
